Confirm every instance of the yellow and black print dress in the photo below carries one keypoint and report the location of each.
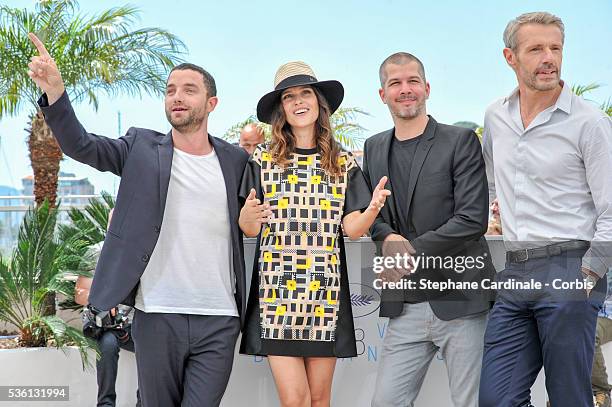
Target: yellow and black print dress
(299, 301)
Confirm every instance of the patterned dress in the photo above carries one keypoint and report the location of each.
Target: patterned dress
(299, 302)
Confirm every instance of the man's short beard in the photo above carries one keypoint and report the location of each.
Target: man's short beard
(190, 123)
(531, 80)
(532, 83)
(412, 113)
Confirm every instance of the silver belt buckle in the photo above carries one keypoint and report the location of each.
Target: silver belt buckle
(518, 256)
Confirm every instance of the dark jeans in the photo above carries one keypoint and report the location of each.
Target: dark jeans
(106, 368)
(548, 327)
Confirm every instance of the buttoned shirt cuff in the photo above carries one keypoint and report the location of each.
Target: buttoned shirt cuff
(595, 264)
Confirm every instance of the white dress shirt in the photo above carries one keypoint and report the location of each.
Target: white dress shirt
(553, 179)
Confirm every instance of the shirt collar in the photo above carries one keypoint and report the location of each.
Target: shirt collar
(511, 96)
(564, 101)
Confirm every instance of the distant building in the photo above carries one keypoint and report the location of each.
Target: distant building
(68, 184)
(13, 210)
(9, 219)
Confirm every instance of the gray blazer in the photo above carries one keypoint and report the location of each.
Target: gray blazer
(143, 159)
(447, 209)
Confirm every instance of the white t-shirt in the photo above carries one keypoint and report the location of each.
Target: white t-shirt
(190, 270)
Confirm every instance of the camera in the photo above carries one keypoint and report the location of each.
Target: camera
(96, 321)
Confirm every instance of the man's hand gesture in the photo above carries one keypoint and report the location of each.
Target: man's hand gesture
(253, 214)
(380, 194)
(44, 72)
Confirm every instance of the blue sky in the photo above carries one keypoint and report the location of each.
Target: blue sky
(243, 43)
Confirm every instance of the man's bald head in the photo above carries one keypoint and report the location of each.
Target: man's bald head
(250, 136)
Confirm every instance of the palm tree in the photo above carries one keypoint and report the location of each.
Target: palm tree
(95, 54)
(344, 122)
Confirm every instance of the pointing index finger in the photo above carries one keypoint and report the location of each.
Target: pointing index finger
(381, 183)
(39, 45)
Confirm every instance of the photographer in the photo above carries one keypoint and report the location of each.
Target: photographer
(111, 334)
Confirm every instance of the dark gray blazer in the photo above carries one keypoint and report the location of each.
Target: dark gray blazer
(143, 159)
(447, 208)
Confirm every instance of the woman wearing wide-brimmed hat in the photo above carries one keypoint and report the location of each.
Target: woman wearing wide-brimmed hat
(301, 193)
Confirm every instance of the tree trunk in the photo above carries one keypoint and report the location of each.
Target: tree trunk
(45, 157)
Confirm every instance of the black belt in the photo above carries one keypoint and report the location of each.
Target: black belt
(555, 249)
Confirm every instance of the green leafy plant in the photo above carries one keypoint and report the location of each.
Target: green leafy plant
(88, 227)
(581, 90)
(36, 269)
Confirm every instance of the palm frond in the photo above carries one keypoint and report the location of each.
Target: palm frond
(607, 107)
(346, 128)
(101, 53)
(62, 335)
(87, 228)
(88, 224)
(9, 296)
(108, 199)
(37, 268)
(580, 90)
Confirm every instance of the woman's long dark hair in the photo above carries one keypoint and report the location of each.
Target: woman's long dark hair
(283, 140)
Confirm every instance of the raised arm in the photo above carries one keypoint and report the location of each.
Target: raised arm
(102, 153)
(44, 72)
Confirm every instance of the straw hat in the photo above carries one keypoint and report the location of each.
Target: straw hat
(298, 73)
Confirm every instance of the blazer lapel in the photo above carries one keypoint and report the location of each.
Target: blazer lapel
(419, 158)
(383, 158)
(225, 161)
(165, 150)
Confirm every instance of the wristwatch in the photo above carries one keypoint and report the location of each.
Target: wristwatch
(590, 278)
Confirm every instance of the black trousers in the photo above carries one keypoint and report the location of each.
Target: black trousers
(183, 360)
(106, 368)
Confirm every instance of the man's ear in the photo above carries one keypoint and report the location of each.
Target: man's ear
(381, 93)
(510, 57)
(211, 103)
